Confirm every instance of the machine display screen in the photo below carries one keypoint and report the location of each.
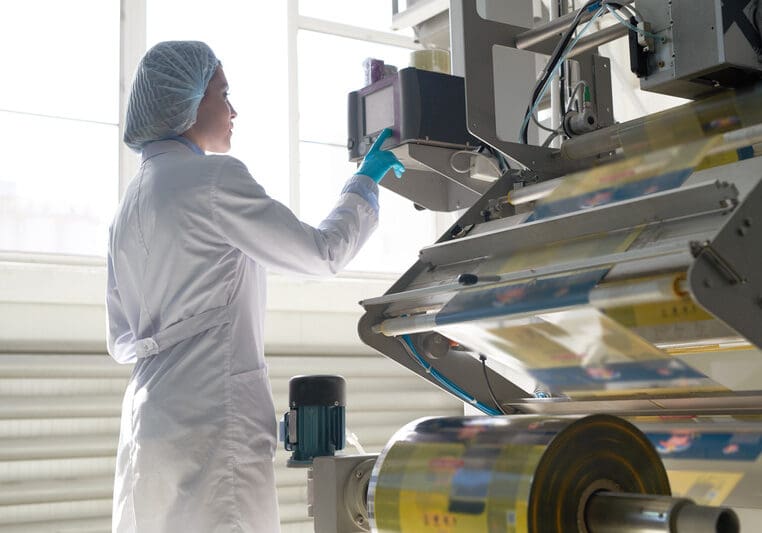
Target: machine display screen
(379, 110)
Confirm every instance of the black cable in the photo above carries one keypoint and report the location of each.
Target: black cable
(483, 359)
(550, 67)
(554, 58)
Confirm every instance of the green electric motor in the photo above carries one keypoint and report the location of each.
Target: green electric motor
(314, 425)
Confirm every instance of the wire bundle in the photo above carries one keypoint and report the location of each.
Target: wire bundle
(564, 46)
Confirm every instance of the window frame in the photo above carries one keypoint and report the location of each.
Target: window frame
(132, 46)
(295, 24)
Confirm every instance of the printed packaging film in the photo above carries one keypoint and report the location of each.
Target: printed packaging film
(507, 474)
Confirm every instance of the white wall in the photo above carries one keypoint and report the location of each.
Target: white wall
(58, 303)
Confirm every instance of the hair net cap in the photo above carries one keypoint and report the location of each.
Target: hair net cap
(169, 84)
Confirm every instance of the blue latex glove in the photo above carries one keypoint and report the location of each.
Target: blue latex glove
(377, 162)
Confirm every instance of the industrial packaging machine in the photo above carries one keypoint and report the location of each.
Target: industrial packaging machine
(599, 298)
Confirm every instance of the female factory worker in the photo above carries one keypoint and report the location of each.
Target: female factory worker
(188, 251)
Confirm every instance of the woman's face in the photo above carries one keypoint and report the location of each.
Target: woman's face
(214, 120)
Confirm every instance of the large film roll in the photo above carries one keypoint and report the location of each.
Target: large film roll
(507, 474)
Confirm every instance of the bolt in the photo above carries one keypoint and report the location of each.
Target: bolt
(661, 64)
(359, 474)
(360, 519)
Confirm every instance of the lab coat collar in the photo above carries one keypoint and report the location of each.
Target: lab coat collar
(155, 148)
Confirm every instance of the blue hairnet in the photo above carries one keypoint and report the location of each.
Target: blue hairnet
(169, 84)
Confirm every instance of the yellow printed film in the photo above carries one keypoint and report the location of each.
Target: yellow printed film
(508, 475)
(636, 168)
(566, 251)
(581, 353)
(705, 488)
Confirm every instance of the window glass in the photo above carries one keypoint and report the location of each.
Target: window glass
(402, 230)
(56, 196)
(254, 56)
(330, 68)
(372, 14)
(59, 109)
(50, 65)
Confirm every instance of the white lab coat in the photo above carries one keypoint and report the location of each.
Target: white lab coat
(188, 251)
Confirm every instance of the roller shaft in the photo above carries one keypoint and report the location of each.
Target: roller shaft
(612, 512)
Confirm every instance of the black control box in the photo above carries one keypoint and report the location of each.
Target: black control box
(419, 106)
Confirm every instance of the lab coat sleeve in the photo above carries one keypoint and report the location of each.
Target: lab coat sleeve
(120, 340)
(269, 233)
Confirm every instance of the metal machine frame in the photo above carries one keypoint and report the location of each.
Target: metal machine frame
(702, 229)
(719, 254)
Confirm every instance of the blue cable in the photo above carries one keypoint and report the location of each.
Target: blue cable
(446, 383)
(624, 22)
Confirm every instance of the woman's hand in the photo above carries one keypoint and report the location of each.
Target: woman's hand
(377, 162)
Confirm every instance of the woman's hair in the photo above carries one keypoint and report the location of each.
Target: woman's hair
(169, 84)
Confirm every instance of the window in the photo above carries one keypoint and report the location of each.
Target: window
(372, 14)
(59, 125)
(329, 67)
(59, 111)
(255, 58)
(250, 38)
